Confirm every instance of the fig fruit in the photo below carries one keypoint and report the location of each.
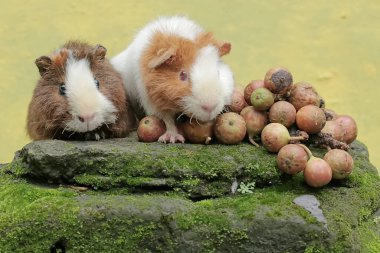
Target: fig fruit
(292, 159)
(253, 85)
(330, 114)
(278, 80)
(349, 127)
(275, 135)
(150, 129)
(255, 122)
(197, 132)
(302, 94)
(230, 128)
(262, 99)
(317, 172)
(343, 129)
(282, 112)
(340, 162)
(238, 102)
(334, 129)
(311, 119)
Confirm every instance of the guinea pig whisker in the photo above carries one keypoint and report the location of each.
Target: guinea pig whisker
(72, 134)
(197, 121)
(105, 123)
(192, 115)
(55, 132)
(64, 129)
(180, 115)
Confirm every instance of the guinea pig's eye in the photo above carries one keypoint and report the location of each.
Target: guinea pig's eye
(97, 83)
(183, 75)
(62, 89)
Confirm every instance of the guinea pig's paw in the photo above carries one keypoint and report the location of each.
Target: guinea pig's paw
(171, 137)
(94, 136)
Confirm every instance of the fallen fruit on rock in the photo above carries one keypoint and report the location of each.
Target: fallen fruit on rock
(150, 129)
(253, 85)
(334, 129)
(330, 114)
(275, 135)
(230, 128)
(198, 132)
(317, 172)
(292, 159)
(282, 112)
(262, 99)
(255, 122)
(348, 125)
(238, 102)
(278, 80)
(340, 162)
(311, 119)
(303, 94)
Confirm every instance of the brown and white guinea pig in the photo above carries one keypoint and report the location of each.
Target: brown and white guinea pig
(78, 96)
(174, 66)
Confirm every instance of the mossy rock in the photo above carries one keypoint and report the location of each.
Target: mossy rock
(200, 171)
(177, 198)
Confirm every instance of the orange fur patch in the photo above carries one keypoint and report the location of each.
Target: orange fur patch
(162, 62)
(163, 85)
(208, 38)
(60, 58)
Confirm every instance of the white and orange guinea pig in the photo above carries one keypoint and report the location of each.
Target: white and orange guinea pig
(78, 96)
(173, 67)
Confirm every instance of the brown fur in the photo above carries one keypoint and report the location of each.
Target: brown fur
(162, 62)
(48, 109)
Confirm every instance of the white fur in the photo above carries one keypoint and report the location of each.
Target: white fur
(212, 85)
(85, 99)
(212, 81)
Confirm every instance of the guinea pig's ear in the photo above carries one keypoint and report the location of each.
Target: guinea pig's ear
(163, 55)
(43, 64)
(224, 48)
(99, 52)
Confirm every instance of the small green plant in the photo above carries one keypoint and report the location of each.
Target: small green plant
(246, 188)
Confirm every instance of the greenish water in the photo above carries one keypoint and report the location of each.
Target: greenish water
(332, 44)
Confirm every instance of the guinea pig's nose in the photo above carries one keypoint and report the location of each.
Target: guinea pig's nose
(86, 117)
(208, 107)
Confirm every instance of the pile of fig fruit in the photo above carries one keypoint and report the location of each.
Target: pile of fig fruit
(285, 118)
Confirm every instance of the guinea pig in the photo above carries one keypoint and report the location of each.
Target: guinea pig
(79, 96)
(172, 67)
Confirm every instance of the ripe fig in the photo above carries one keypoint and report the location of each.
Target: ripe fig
(317, 172)
(340, 162)
(255, 122)
(349, 127)
(253, 85)
(238, 102)
(330, 114)
(275, 135)
(197, 132)
(278, 80)
(230, 128)
(334, 129)
(311, 119)
(303, 94)
(282, 112)
(262, 99)
(150, 129)
(292, 159)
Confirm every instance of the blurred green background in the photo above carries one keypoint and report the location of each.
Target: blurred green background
(335, 45)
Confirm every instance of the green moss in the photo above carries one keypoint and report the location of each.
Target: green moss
(118, 218)
(112, 166)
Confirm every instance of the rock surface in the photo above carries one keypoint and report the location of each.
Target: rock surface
(125, 196)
